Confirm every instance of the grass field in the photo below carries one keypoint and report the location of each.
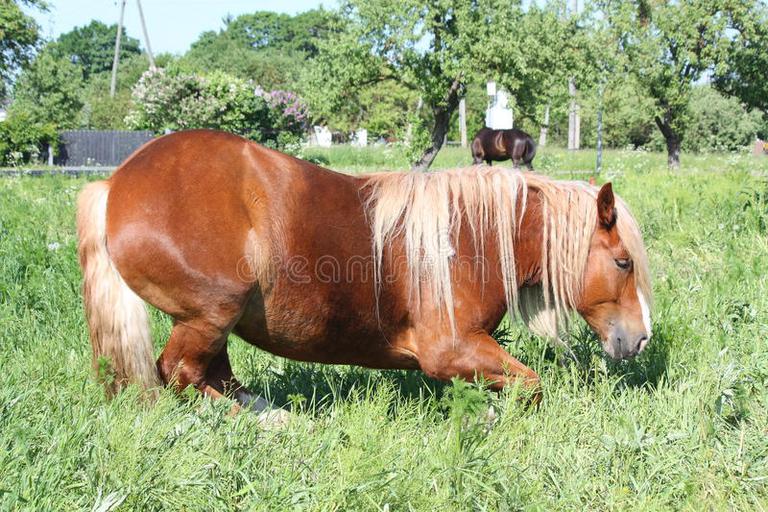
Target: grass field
(684, 426)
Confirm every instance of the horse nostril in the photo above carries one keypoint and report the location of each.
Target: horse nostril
(641, 342)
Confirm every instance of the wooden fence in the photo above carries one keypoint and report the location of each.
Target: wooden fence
(98, 148)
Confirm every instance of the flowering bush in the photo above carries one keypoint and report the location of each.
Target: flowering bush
(169, 100)
(289, 111)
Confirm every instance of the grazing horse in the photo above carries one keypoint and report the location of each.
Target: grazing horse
(497, 145)
(390, 270)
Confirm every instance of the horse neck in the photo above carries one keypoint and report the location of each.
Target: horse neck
(488, 291)
(529, 242)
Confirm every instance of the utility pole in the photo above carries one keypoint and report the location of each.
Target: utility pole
(599, 161)
(146, 36)
(574, 118)
(463, 121)
(116, 61)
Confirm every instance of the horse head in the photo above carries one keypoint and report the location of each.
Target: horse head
(615, 291)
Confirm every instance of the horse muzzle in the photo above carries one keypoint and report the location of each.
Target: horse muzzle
(623, 345)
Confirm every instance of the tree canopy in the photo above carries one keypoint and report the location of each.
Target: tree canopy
(49, 91)
(19, 37)
(745, 74)
(92, 47)
(400, 67)
(671, 46)
(268, 47)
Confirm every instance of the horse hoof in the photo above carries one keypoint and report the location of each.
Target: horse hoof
(268, 416)
(274, 418)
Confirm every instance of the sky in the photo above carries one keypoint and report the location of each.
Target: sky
(173, 25)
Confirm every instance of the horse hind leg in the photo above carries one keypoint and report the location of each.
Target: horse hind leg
(188, 355)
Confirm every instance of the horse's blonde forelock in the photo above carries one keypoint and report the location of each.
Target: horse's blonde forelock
(425, 212)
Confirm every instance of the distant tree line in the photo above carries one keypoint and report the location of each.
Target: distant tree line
(682, 76)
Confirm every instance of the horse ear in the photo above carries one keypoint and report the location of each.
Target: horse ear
(606, 209)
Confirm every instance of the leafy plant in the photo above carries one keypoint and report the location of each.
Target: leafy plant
(22, 140)
(176, 100)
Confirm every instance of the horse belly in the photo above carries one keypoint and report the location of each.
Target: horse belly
(298, 323)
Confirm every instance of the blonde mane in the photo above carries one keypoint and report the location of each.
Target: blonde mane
(426, 211)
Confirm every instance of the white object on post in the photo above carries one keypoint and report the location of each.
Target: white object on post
(498, 116)
(360, 138)
(324, 136)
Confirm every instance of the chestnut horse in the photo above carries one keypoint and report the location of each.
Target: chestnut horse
(498, 145)
(390, 270)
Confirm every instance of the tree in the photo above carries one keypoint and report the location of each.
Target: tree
(432, 48)
(103, 112)
(672, 45)
(48, 91)
(747, 61)
(19, 37)
(92, 47)
(267, 47)
(555, 49)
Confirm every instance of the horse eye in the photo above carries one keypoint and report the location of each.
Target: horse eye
(623, 263)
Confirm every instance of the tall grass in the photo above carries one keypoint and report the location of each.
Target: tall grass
(684, 426)
(548, 159)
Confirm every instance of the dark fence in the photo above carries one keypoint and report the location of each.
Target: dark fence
(98, 148)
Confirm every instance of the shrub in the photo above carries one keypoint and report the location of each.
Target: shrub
(719, 123)
(715, 123)
(22, 140)
(49, 91)
(174, 100)
(289, 111)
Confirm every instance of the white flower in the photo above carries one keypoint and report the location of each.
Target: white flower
(54, 246)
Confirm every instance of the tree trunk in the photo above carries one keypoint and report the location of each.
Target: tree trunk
(440, 128)
(544, 128)
(672, 139)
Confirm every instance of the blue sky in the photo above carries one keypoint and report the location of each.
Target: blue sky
(172, 24)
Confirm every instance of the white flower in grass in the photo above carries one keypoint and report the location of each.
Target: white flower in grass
(54, 246)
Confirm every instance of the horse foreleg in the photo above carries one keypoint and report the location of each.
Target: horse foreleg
(478, 356)
(220, 381)
(220, 377)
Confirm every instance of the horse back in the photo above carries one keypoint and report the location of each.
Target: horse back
(209, 210)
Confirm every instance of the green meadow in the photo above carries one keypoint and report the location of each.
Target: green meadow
(682, 427)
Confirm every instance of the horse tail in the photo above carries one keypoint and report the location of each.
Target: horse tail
(530, 150)
(117, 317)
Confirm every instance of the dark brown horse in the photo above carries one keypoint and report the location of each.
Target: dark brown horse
(498, 145)
(392, 270)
